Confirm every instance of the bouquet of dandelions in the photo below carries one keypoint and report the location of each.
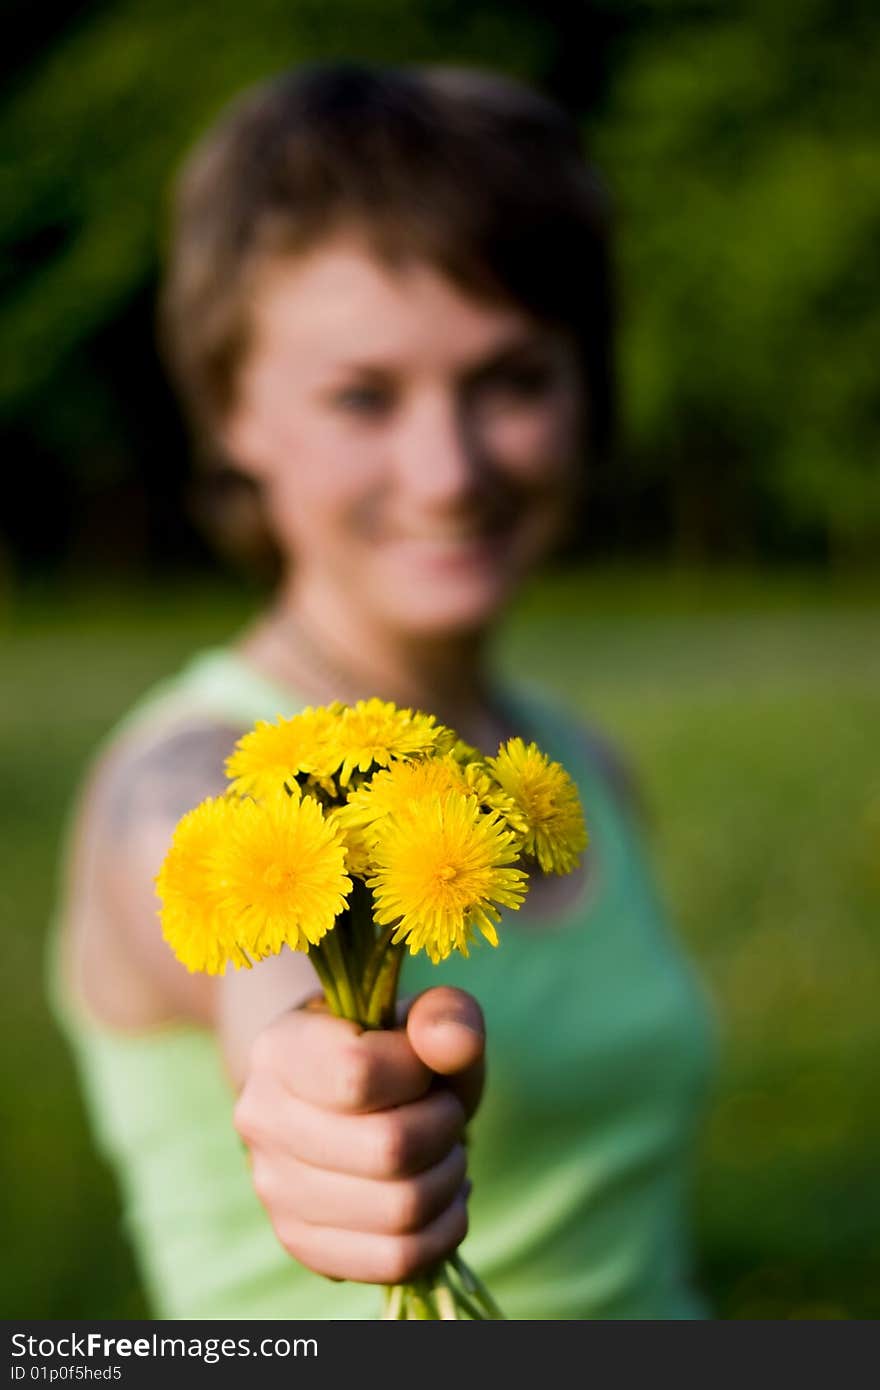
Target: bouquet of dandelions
(352, 833)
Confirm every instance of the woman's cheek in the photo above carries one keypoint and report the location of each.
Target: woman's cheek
(531, 447)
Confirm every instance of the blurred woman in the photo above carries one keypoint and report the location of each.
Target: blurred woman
(386, 310)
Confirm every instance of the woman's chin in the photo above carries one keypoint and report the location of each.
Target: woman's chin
(444, 608)
(438, 588)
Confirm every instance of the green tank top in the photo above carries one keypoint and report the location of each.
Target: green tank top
(601, 1044)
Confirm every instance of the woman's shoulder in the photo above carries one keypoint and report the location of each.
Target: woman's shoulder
(208, 686)
(165, 753)
(179, 729)
(171, 741)
(162, 757)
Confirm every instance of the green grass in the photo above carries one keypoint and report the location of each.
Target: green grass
(749, 707)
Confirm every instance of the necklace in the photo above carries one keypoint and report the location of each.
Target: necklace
(290, 634)
(338, 681)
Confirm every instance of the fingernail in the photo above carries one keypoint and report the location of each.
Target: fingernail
(459, 1022)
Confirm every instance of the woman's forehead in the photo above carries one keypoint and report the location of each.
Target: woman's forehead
(340, 305)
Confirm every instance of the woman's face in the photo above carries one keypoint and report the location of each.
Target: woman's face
(418, 449)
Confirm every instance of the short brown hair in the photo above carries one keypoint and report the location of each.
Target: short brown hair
(473, 172)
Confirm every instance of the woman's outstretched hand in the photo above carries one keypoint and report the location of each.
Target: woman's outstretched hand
(356, 1138)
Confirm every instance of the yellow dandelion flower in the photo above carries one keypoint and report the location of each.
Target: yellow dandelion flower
(377, 732)
(282, 872)
(388, 791)
(464, 752)
(548, 798)
(395, 787)
(274, 753)
(188, 886)
(353, 837)
(441, 867)
(481, 785)
(321, 786)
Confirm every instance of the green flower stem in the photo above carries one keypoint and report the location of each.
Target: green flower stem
(328, 983)
(419, 1304)
(444, 1296)
(464, 1273)
(343, 932)
(394, 1303)
(363, 928)
(436, 1297)
(376, 957)
(469, 1306)
(441, 1297)
(475, 1287)
(350, 1005)
(383, 995)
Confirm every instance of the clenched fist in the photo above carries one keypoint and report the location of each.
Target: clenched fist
(356, 1138)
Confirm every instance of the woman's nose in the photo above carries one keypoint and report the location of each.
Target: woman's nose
(436, 453)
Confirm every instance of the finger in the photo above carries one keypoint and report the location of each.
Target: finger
(446, 1029)
(376, 1259)
(321, 1198)
(388, 1144)
(331, 1063)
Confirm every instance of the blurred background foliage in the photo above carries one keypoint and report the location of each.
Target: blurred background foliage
(739, 141)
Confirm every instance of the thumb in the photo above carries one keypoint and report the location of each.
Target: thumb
(446, 1031)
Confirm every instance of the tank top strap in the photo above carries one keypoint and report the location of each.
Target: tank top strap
(618, 848)
(541, 719)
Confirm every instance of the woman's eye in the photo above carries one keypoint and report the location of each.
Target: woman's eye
(363, 400)
(526, 382)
